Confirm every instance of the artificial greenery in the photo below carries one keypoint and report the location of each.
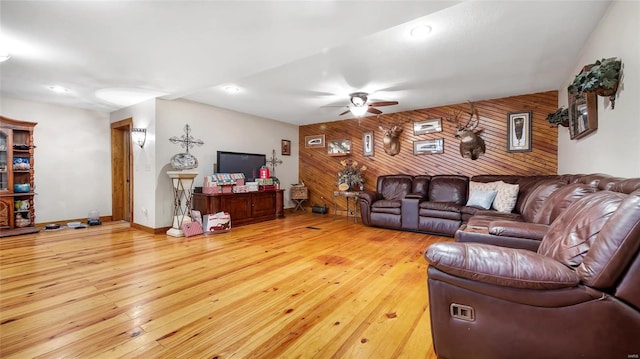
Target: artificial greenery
(602, 75)
(559, 118)
(351, 174)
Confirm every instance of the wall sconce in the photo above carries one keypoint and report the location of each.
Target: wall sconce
(139, 136)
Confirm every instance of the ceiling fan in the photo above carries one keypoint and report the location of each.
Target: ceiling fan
(359, 105)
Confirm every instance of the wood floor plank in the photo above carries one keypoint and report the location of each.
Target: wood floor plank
(306, 286)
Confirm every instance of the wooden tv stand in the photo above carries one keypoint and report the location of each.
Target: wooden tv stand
(244, 208)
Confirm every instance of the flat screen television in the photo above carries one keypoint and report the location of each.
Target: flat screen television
(237, 162)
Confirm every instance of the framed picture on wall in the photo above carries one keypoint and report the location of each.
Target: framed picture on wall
(428, 147)
(286, 147)
(427, 126)
(367, 144)
(339, 147)
(314, 141)
(519, 131)
(583, 114)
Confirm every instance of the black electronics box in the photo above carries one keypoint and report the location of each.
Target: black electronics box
(319, 209)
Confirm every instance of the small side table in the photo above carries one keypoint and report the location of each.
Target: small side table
(299, 194)
(353, 195)
(182, 185)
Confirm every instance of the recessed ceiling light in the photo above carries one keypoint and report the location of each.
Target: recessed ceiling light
(421, 31)
(4, 56)
(58, 89)
(232, 89)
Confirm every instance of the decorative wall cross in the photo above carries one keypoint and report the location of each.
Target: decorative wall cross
(187, 141)
(273, 162)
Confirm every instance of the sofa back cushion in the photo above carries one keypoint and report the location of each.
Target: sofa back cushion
(537, 196)
(394, 187)
(528, 184)
(559, 200)
(421, 185)
(617, 245)
(449, 188)
(575, 230)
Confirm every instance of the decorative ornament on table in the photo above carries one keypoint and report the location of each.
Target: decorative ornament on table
(351, 175)
(185, 160)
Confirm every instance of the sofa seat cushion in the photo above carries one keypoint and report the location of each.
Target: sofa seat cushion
(508, 267)
(441, 206)
(387, 203)
(439, 214)
(387, 210)
(484, 220)
(518, 229)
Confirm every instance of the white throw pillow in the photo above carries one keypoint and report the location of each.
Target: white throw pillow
(506, 198)
(482, 186)
(482, 199)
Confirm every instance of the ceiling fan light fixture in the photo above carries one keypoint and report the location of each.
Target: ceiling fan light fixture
(358, 99)
(358, 111)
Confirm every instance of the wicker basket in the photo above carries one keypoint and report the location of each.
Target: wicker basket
(299, 192)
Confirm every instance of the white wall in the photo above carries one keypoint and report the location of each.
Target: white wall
(71, 161)
(220, 130)
(615, 147)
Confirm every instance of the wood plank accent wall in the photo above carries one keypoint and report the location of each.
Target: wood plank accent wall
(318, 170)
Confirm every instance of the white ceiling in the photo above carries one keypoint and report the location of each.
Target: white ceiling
(294, 61)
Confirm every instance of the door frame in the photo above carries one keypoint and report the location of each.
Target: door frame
(120, 156)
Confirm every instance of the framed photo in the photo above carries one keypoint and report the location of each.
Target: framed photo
(314, 141)
(427, 126)
(285, 147)
(428, 147)
(339, 147)
(583, 114)
(519, 131)
(367, 144)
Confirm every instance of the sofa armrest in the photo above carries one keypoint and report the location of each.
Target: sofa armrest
(518, 229)
(415, 196)
(507, 267)
(369, 197)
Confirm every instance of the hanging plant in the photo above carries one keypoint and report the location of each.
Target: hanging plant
(601, 77)
(559, 118)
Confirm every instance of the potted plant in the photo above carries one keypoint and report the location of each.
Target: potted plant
(559, 118)
(602, 77)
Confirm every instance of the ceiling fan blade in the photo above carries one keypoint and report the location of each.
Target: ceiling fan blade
(374, 110)
(344, 113)
(383, 103)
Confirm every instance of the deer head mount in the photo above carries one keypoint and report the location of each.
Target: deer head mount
(391, 138)
(471, 144)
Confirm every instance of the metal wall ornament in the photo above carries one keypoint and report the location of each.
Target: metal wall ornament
(185, 160)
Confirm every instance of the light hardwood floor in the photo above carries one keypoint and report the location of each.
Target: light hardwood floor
(307, 286)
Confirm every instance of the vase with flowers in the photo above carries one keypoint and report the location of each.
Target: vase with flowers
(351, 175)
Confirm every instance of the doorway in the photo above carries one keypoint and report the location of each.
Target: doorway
(121, 171)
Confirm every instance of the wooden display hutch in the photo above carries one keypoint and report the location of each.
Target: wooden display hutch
(244, 208)
(17, 215)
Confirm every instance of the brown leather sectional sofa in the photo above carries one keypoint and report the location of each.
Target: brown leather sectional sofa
(577, 296)
(437, 205)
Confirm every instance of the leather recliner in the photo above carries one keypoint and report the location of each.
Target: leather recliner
(578, 296)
